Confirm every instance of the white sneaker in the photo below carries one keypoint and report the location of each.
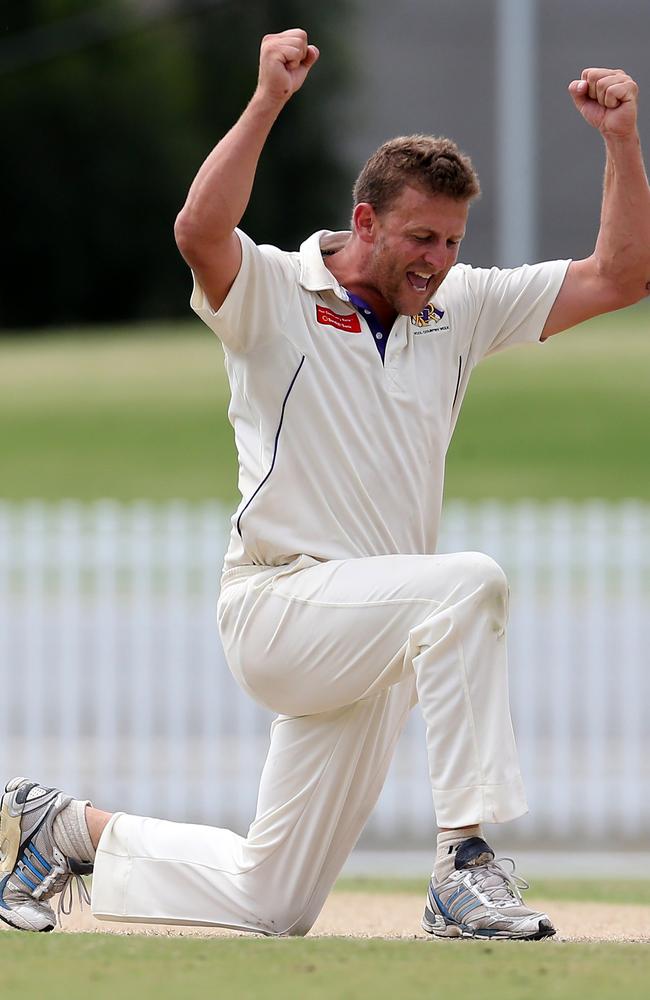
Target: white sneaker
(32, 868)
(480, 899)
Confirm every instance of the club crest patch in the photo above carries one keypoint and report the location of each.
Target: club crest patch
(429, 320)
(428, 315)
(349, 322)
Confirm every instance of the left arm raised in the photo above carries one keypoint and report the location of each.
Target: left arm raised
(618, 272)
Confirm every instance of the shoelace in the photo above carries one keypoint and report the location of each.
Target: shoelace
(66, 897)
(501, 886)
(60, 880)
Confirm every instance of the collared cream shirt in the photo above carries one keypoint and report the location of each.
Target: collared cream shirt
(341, 456)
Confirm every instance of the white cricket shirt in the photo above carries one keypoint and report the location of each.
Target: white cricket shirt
(341, 455)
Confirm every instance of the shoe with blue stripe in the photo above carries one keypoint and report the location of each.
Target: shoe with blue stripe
(479, 898)
(32, 868)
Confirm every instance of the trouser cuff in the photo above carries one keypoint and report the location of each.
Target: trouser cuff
(456, 807)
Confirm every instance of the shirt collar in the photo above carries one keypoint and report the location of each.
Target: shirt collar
(314, 275)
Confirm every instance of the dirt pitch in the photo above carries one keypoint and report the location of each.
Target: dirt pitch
(397, 915)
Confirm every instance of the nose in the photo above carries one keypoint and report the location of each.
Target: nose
(436, 257)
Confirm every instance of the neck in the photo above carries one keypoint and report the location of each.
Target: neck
(347, 268)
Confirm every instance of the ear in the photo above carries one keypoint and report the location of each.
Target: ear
(364, 220)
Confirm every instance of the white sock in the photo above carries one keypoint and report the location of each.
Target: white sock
(448, 843)
(71, 832)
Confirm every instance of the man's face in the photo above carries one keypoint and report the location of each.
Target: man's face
(413, 246)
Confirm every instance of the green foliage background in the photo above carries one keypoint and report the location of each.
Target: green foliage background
(106, 118)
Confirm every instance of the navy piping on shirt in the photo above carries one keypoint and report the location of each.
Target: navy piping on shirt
(275, 447)
(460, 366)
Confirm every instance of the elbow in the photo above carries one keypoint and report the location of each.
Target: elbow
(628, 293)
(190, 240)
(625, 286)
(196, 243)
(185, 235)
(639, 291)
(624, 295)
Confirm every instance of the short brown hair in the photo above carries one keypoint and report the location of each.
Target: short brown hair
(432, 163)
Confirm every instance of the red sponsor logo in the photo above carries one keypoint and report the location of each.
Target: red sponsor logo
(350, 322)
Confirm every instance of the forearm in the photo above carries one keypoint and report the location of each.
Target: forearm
(220, 192)
(622, 251)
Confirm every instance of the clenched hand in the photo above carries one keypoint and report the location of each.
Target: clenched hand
(607, 99)
(285, 61)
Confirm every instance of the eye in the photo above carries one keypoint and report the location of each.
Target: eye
(422, 239)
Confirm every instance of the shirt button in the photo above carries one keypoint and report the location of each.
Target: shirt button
(379, 336)
(367, 312)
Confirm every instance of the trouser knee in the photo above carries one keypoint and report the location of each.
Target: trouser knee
(488, 572)
(482, 581)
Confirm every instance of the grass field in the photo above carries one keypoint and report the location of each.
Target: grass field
(142, 413)
(73, 966)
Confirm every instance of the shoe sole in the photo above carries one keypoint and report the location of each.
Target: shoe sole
(439, 928)
(24, 930)
(9, 836)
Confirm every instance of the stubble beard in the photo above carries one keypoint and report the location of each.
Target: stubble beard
(387, 280)
(388, 277)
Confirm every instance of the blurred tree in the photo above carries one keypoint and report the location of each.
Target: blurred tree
(301, 184)
(107, 113)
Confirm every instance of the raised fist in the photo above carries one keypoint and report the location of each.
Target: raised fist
(607, 99)
(285, 61)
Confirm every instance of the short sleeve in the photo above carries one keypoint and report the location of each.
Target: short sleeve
(513, 304)
(256, 306)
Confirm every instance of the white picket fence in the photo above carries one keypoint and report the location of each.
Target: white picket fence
(114, 685)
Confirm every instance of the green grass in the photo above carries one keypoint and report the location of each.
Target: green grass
(103, 966)
(571, 418)
(609, 890)
(125, 414)
(71, 967)
(141, 412)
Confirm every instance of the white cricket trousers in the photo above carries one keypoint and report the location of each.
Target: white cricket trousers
(341, 650)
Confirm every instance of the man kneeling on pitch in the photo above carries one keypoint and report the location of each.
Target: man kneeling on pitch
(348, 362)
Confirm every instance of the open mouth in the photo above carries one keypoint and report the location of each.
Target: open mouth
(419, 281)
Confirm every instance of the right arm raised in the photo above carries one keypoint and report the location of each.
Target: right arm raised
(219, 194)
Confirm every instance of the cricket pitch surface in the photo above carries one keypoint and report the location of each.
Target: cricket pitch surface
(397, 915)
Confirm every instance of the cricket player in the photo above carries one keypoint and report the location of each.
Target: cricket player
(348, 362)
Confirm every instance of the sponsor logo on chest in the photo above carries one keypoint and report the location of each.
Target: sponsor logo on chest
(430, 320)
(348, 322)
